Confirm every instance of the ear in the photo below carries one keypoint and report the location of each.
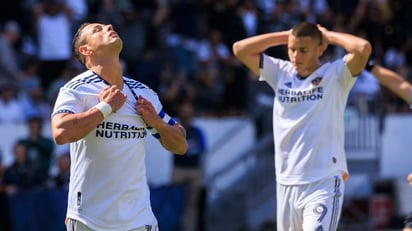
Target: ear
(322, 48)
(85, 50)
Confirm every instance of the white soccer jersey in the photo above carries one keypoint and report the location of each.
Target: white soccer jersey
(308, 121)
(108, 189)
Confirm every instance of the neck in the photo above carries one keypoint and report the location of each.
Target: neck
(111, 72)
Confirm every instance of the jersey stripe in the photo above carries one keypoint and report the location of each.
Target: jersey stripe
(335, 206)
(134, 84)
(88, 79)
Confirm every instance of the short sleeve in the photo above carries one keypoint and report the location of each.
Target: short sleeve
(68, 101)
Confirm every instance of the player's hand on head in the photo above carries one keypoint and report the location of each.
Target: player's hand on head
(145, 108)
(113, 96)
(324, 32)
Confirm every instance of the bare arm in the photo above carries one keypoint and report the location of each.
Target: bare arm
(393, 82)
(172, 137)
(358, 49)
(248, 50)
(67, 128)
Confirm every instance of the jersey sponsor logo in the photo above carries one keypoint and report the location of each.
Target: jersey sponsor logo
(296, 96)
(112, 130)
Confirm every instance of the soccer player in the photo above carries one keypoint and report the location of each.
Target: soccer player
(403, 89)
(105, 117)
(309, 104)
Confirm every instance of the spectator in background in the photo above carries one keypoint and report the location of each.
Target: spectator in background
(28, 77)
(34, 101)
(235, 21)
(20, 174)
(183, 38)
(5, 223)
(314, 11)
(363, 93)
(188, 168)
(106, 12)
(175, 88)
(213, 56)
(39, 149)
(10, 107)
(9, 59)
(72, 69)
(18, 181)
(133, 32)
(79, 10)
(149, 68)
(62, 163)
(54, 34)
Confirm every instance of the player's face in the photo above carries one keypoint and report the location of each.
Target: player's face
(101, 36)
(304, 54)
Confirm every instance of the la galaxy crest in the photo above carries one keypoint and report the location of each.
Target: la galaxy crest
(316, 81)
(288, 84)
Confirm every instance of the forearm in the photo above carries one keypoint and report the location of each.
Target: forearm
(67, 128)
(173, 138)
(393, 82)
(259, 43)
(351, 43)
(358, 49)
(248, 50)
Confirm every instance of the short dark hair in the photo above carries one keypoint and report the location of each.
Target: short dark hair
(76, 43)
(307, 29)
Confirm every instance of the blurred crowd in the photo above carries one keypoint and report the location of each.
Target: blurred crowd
(181, 49)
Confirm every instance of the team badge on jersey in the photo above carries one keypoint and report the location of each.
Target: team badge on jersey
(288, 84)
(316, 81)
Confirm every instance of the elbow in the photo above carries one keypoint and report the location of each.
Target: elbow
(237, 48)
(366, 50)
(180, 149)
(59, 137)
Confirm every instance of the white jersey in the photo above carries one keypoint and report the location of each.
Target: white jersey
(108, 186)
(308, 123)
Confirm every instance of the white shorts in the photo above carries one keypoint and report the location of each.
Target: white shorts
(74, 225)
(310, 207)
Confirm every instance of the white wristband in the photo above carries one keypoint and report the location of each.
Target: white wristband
(104, 108)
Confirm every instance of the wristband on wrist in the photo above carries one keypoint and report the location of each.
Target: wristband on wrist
(104, 108)
(369, 65)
